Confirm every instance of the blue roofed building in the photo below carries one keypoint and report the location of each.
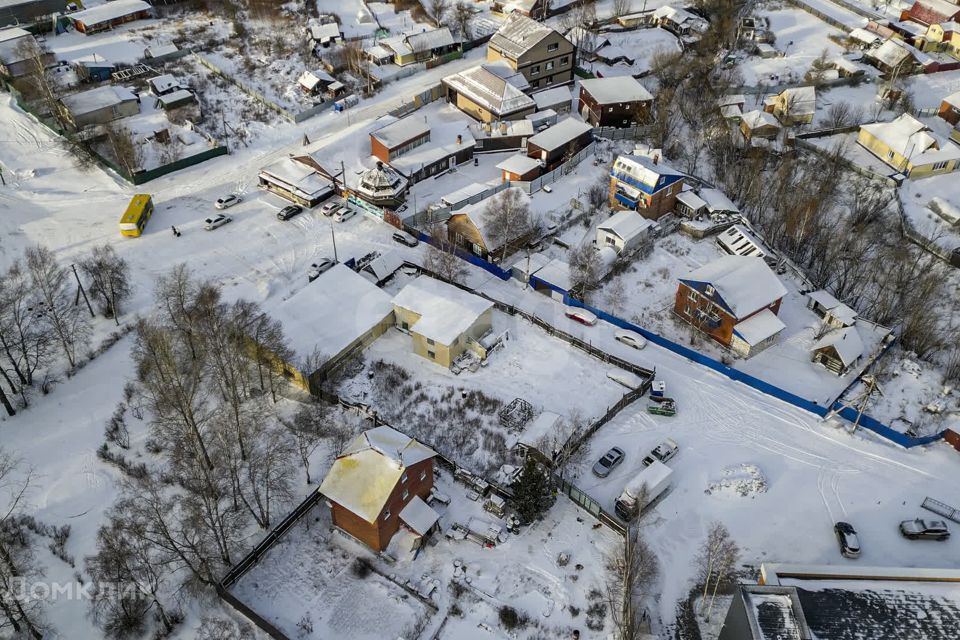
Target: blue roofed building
(643, 184)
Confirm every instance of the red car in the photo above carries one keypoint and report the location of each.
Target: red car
(582, 316)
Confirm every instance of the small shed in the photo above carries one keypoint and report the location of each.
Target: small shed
(520, 168)
(834, 313)
(536, 437)
(756, 333)
(557, 98)
(690, 205)
(624, 231)
(164, 84)
(839, 351)
(759, 124)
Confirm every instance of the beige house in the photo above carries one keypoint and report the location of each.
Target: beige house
(484, 95)
(793, 106)
(443, 320)
(543, 56)
(910, 147)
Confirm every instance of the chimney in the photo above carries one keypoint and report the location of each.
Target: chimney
(656, 159)
(380, 165)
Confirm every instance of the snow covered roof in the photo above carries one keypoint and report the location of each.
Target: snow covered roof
(800, 100)
(945, 210)
(756, 118)
(732, 99)
(297, 176)
(717, 201)
(160, 50)
(381, 181)
(744, 284)
(846, 341)
(384, 265)
(774, 613)
(864, 36)
(96, 99)
(12, 42)
(397, 44)
(953, 99)
(377, 52)
(502, 69)
(560, 134)
(626, 224)
(490, 91)
(502, 129)
(13, 33)
(692, 200)
(913, 140)
(331, 313)
(643, 170)
(175, 97)
(615, 90)
(310, 79)
(891, 53)
(461, 195)
(557, 273)
(400, 131)
(445, 311)
(551, 97)
(530, 264)
(543, 425)
(824, 298)
(740, 241)
(109, 11)
(419, 516)
(366, 473)
(519, 164)
(759, 327)
(164, 83)
(324, 32)
(934, 11)
(519, 34)
(429, 40)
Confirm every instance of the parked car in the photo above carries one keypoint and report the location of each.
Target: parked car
(343, 214)
(664, 451)
(216, 221)
(550, 229)
(608, 462)
(581, 315)
(920, 528)
(405, 238)
(847, 537)
(631, 339)
(227, 201)
(329, 208)
(288, 212)
(319, 268)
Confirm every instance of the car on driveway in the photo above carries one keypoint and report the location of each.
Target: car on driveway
(631, 339)
(227, 201)
(329, 208)
(924, 529)
(216, 221)
(608, 462)
(343, 214)
(664, 451)
(848, 539)
(405, 238)
(288, 212)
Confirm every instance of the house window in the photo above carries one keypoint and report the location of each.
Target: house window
(431, 355)
(430, 341)
(386, 514)
(403, 479)
(550, 80)
(406, 494)
(889, 155)
(535, 69)
(548, 66)
(686, 310)
(405, 325)
(535, 84)
(692, 295)
(709, 290)
(553, 47)
(609, 109)
(940, 165)
(423, 475)
(564, 61)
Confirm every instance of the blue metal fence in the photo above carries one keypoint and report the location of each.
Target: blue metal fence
(469, 257)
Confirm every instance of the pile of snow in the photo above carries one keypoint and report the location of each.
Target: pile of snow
(742, 479)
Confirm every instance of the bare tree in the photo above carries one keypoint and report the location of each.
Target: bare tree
(53, 287)
(22, 615)
(585, 269)
(25, 339)
(507, 219)
(633, 570)
(614, 296)
(441, 258)
(716, 562)
(109, 279)
(621, 7)
(438, 11)
(461, 18)
(598, 193)
(843, 114)
(124, 147)
(308, 427)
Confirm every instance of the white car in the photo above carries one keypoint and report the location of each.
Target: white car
(329, 208)
(227, 201)
(664, 452)
(343, 214)
(631, 339)
(216, 222)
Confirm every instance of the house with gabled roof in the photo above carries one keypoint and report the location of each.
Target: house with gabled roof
(486, 96)
(909, 147)
(379, 484)
(444, 321)
(614, 102)
(624, 231)
(796, 105)
(734, 300)
(839, 351)
(927, 12)
(645, 185)
(559, 143)
(950, 108)
(540, 53)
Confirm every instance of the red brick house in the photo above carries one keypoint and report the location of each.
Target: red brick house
(560, 142)
(950, 108)
(380, 483)
(932, 12)
(644, 185)
(398, 138)
(734, 300)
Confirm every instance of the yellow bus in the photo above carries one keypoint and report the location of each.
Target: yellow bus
(135, 217)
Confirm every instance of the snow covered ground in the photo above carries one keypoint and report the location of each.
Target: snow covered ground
(308, 575)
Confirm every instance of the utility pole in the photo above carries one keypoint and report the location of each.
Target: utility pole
(81, 291)
(333, 236)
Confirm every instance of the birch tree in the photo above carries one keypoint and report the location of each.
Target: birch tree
(109, 279)
(633, 570)
(507, 218)
(52, 286)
